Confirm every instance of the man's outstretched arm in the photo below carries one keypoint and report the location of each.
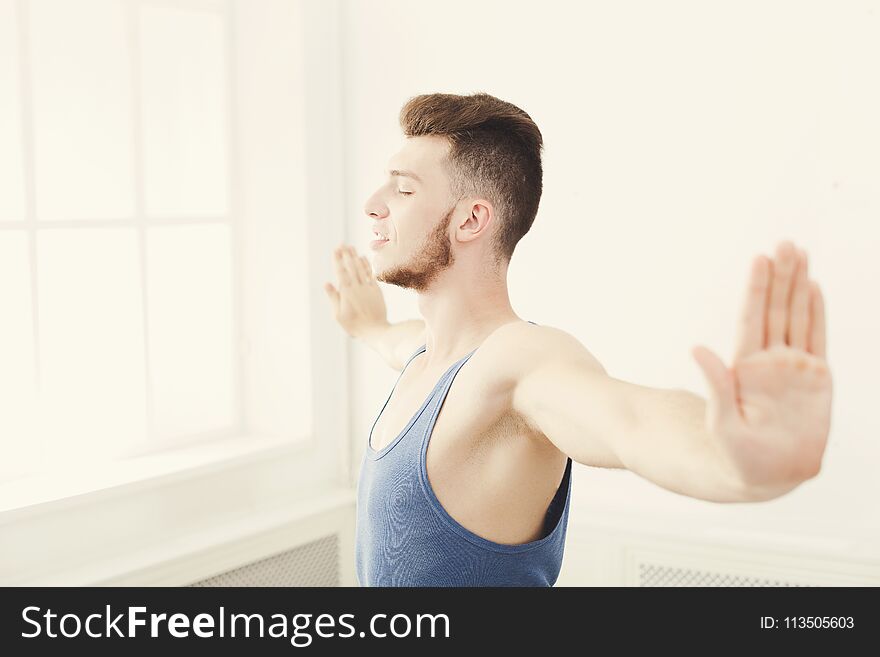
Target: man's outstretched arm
(762, 431)
(359, 308)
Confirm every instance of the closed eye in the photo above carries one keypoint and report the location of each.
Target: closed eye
(403, 192)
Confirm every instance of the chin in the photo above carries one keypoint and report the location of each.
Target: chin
(382, 258)
(379, 266)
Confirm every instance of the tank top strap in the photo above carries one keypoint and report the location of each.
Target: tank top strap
(438, 394)
(415, 353)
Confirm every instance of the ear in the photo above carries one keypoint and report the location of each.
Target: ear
(477, 221)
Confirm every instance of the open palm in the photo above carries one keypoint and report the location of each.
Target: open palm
(771, 411)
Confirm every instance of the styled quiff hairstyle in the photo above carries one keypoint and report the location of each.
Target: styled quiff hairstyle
(495, 151)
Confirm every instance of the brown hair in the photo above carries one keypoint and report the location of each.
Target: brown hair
(495, 151)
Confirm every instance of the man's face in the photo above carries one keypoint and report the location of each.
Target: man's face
(413, 209)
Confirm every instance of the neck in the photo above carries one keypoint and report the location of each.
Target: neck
(459, 316)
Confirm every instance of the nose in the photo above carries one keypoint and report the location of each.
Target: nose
(375, 208)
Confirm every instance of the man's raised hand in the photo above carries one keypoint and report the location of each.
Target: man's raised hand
(771, 411)
(358, 304)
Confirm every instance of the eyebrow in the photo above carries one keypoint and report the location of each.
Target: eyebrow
(405, 174)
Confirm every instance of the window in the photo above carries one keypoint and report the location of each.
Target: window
(148, 275)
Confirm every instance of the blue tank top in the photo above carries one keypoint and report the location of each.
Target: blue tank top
(404, 536)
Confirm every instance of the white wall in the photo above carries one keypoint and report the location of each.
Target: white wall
(681, 139)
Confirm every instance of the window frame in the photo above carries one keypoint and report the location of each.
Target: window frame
(257, 473)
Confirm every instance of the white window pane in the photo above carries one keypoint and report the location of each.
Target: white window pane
(183, 78)
(19, 449)
(81, 84)
(274, 222)
(190, 326)
(11, 178)
(91, 342)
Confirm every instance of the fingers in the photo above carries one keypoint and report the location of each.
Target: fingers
(778, 309)
(753, 319)
(351, 268)
(332, 294)
(782, 306)
(350, 259)
(342, 274)
(817, 321)
(366, 270)
(799, 315)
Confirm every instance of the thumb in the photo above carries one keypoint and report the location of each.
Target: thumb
(722, 386)
(332, 293)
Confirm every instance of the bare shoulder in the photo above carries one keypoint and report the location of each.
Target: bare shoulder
(518, 348)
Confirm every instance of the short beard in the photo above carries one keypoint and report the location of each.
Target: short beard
(434, 257)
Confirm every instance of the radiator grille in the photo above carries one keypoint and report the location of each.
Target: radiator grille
(662, 575)
(312, 564)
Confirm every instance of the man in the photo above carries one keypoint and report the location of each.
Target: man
(469, 484)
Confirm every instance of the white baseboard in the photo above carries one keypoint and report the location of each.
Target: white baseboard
(624, 551)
